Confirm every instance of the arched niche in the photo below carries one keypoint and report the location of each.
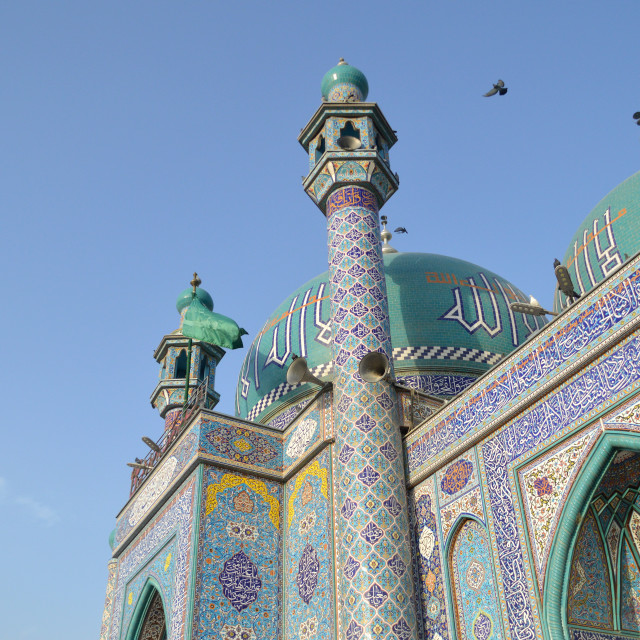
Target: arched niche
(584, 516)
(473, 585)
(148, 621)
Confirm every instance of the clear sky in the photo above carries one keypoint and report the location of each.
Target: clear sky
(141, 141)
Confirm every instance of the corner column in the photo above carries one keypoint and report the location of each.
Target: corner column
(375, 580)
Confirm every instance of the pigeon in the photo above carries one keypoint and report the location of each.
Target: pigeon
(565, 283)
(400, 230)
(498, 87)
(636, 117)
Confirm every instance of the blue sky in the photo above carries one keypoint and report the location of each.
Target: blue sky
(143, 141)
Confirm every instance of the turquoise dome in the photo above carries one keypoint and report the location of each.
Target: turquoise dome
(450, 323)
(344, 82)
(185, 298)
(608, 235)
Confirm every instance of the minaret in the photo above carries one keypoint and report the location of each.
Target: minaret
(348, 142)
(172, 354)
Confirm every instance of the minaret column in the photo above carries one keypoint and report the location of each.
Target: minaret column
(375, 583)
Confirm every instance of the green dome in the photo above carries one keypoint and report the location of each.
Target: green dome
(344, 82)
(185, 298)
(608, 235)
(450, 322)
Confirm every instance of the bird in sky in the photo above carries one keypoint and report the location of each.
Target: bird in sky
(498, 87)
(636, 117)
(400, 230)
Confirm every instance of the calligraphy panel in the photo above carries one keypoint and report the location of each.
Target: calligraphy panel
(239, 557)
(308, 572)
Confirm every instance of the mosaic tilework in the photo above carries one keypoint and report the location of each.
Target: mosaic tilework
(239, 557)
(629, 590)
(232, 441)
(321, 371)
(308, 569)
(469, 503)
(437, 385)
(545, 484)
(474, 586)
(372, 529)
(161, 568)
(458, 476)
(589, 600)
(583, 634)
(282, 421)
(594, 320)
(581, 397)
(108, 600)
(630, 415)
(176, 519)
(153, 627)
(155, 487)
(431, 586)
(305, 432)
(620, 471)
(613, 543)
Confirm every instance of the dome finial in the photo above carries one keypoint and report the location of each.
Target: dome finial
(344, 83)
(386, 236)
(196, 282)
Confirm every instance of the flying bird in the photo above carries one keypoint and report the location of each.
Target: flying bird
(565, 284)
(636, 117)
(498, 87)
(400, 230)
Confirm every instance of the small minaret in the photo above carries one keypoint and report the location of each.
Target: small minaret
(350, 179)
(173, 355)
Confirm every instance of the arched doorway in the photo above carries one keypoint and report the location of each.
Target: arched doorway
(148, 621)
(592, 580)
(473, 583)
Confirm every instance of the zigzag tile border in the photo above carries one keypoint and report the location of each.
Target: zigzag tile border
(399, 353)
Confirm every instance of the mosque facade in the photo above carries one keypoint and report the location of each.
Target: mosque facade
(442, 468)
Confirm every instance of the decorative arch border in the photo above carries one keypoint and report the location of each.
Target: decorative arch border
(447, 548)
(151, 586)
(584, 486)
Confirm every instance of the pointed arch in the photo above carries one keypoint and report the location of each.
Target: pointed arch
(574, 513)
(148, 621)
(473, 585)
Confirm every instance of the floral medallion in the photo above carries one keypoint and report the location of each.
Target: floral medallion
(242, 531)
(229, 632)
(475, 575)
(243, 503)
(456, 477)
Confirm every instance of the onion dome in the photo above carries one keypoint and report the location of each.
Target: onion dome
(450, 322)
(184, 299)
(344, 83)
(608, 236)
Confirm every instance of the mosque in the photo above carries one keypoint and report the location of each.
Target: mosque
(411, 458)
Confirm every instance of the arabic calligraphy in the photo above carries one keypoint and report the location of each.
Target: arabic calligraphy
(351, 197)
(589, 326)
(308, 569)
(608, 259)
(240, 581)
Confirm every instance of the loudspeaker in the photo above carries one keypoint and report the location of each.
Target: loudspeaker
(374, 367)
(298, 372)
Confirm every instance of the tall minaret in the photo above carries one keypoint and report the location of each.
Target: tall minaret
(348, 142)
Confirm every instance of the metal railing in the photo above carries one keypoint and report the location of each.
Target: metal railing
(197, 400)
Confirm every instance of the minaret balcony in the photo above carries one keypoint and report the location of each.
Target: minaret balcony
(340, 168)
